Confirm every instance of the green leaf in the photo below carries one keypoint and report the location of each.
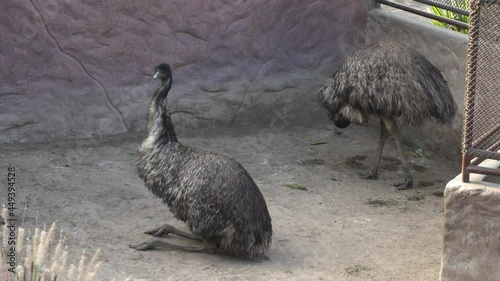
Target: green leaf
(462, 4)
(318, 142)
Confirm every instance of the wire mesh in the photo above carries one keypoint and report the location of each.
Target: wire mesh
(481, 131)
(461, 6)
(456, 19)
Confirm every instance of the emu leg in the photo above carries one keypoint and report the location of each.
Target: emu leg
(393, 130)
(166, 229)
(372, 173)
(152, 243)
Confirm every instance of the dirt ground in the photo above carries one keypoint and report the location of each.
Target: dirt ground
(340, 228)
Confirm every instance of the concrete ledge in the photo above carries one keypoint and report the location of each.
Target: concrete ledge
(471, 249)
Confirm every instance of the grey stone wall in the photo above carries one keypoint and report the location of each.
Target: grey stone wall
(470, 237)
(80, 68)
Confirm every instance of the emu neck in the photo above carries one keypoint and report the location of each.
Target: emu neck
(160, 124)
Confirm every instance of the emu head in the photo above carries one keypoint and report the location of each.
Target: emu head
(340, 120)
(163, 72)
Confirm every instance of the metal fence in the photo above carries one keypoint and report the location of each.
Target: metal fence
(481, 129)
(456, 6)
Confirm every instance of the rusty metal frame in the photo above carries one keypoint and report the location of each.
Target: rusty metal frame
(476, 149)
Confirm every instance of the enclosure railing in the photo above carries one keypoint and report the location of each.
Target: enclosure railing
(456, 6)
(481, 127)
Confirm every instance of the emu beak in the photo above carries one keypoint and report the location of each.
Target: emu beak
(157, 75)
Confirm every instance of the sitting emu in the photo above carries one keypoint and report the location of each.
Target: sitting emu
(389, 81)
(214, 195)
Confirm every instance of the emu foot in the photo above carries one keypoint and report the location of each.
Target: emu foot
(162, 230)
(157, 242)
(407, 183)
(369, 175)
(143, 246)
(167, 229)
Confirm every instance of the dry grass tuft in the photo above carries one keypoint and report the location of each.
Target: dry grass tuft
(39, 258)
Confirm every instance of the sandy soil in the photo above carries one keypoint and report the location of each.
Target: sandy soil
(340, 228)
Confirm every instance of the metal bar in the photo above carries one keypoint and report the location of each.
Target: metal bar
(443, 6)
(484, 153)
(465, 164)
(479, 141)
(494, 147)
(478, 160)
(483, 170)
(490, 145)
(424, 14)
(470, 90)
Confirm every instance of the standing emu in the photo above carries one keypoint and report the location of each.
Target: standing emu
(214, 195)
(392, 82)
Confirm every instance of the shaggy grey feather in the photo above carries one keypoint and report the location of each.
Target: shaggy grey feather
(213, 194)
(391, 82)
(388, 80)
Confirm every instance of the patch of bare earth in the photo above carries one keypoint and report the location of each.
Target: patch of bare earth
(328, 223)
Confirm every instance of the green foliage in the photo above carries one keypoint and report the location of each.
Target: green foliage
(319, 142)
(462, 4)
(417, 153)
(356, 270)
(295, 186)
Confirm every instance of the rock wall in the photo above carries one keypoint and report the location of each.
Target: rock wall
(471, 250)
(80, 68)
